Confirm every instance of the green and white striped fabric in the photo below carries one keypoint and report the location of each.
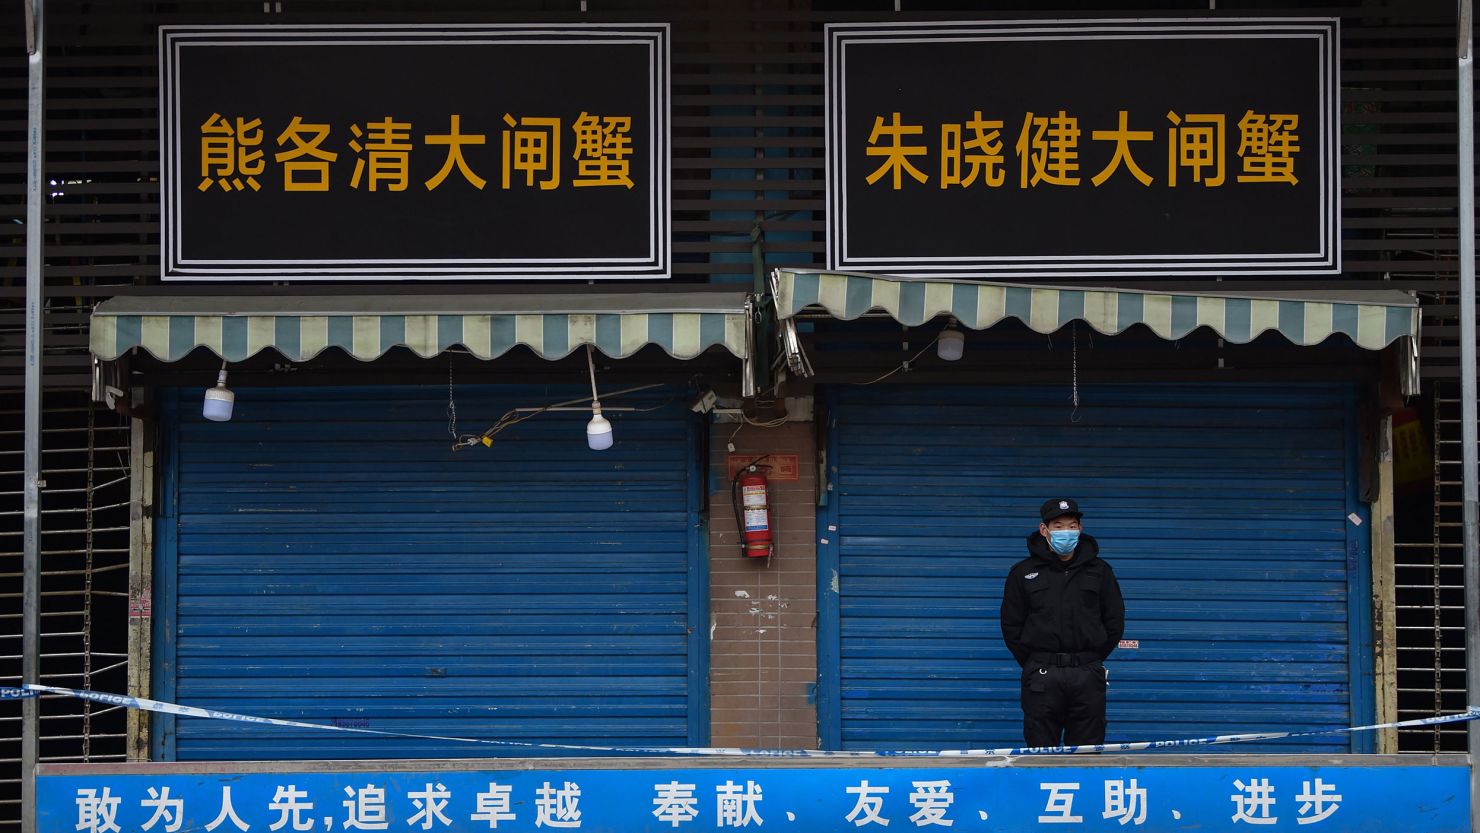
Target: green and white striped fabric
(684, 324)
(1372, 319)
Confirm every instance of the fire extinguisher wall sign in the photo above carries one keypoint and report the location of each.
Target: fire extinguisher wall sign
(753, 511)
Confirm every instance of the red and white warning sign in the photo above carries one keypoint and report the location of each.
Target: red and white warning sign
(774, 466)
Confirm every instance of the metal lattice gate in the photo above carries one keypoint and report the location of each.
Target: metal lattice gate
(84, 581)
(1430, 588)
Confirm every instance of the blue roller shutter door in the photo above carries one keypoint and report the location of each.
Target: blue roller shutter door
(1224, 510)
(336, 562)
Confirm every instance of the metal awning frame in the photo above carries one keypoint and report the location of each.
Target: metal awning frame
(551, 325)
(1372, 319)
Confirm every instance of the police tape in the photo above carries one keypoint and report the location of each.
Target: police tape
(31, 690)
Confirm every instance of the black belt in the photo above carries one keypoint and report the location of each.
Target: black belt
(1064, 660)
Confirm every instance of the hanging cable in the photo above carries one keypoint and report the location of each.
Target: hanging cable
(730, 444)
(773, 423)
(1074, 377)
(514, 416)
(451, 407)
(904, 365)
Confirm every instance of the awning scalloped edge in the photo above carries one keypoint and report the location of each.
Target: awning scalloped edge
(683, 335)
(1047, 309)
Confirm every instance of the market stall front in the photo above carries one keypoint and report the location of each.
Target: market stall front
(1235, 513)
(330, 554)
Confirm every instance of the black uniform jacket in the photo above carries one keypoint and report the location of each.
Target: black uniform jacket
(1050, 606)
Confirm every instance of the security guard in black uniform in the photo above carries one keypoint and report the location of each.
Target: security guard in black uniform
(1062, 615)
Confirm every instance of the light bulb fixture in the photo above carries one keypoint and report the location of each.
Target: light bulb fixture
(598, 430)
(219, 400)
(951, 343)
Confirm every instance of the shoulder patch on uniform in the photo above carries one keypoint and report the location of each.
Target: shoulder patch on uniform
(1030, 576)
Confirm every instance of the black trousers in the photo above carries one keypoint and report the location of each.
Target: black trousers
(1064, 705)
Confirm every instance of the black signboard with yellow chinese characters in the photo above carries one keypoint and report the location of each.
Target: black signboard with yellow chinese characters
(436, 152)
(1104, 148)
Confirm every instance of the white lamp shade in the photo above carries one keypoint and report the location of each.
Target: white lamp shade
(951, 345)
(218, 404)
(599, 433)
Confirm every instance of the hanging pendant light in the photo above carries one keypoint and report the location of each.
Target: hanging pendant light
(219, 400)
(598, 430)
(951, 344)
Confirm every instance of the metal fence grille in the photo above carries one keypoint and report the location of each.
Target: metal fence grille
(1430, 592)
(84, 582)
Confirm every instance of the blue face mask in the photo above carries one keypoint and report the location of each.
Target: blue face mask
(1063, 541)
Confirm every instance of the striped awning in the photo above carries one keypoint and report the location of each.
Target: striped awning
(618, 324)
(1373, 319)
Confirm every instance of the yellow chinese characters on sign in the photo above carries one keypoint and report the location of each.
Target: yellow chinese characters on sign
(896, 153)
(1267, 145)
(231, 158)
(532, 146)
(1048, 150)
(454, 139)
(230, 154)
(389, 150)
(603, 148)
(1195, 141)
(981, 154)
(301, 174)
(1122, 136)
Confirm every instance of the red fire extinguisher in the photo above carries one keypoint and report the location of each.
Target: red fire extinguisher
(753, 511)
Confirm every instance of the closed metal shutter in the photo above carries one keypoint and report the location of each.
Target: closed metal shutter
(327, 557)
(1223, 509)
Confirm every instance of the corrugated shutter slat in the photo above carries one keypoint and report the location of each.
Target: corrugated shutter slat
(337, 562)
(1222, 508)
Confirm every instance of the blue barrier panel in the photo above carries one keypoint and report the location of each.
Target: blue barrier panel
(1269, 796)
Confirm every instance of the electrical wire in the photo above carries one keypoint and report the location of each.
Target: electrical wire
(747, 419)
(508, 420)
(658, 407)
(513, 417)
(1074, 416)
(451, 406)
(902, 366)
